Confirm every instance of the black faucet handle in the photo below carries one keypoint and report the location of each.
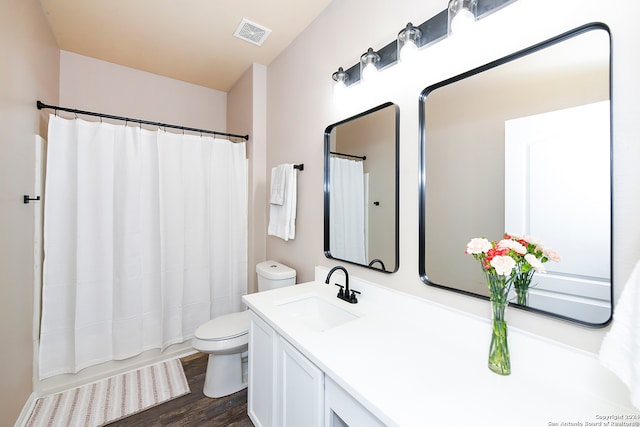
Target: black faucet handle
(352, 298)
(341, 291)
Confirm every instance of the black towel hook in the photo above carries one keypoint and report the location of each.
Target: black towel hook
(26, 198)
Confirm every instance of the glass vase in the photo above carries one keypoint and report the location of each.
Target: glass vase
(521, 282)
(499, 361)
(522, 295)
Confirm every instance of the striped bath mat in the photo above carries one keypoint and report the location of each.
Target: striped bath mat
(113, 398)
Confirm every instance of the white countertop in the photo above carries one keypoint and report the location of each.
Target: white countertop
(412, 362)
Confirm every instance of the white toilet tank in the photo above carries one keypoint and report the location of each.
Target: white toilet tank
(272, 275)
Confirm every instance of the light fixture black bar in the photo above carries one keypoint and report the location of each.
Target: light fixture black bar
(433, 30)
(486, 7)
(41, 106)
(388, 55)
(348, 155)
(354, 75)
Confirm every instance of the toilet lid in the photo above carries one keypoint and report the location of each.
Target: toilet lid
(224, 327)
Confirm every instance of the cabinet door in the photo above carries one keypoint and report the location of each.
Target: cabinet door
(301, 390)
(262, 388)
(342, 410)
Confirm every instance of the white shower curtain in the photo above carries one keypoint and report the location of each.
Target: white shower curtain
(144, 237)
(347, 210)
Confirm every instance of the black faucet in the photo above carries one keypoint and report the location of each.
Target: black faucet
(345, 294)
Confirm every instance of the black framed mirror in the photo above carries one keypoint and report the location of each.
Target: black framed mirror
(522, 145)
(361, 189)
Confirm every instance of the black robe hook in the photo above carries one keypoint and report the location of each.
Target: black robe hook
(26, 198)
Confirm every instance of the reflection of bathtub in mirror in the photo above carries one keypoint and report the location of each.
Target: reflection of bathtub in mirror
(490, 166)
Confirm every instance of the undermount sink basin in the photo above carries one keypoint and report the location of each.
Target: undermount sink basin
(316, 313)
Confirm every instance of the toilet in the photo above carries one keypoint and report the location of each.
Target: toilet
(226, 338)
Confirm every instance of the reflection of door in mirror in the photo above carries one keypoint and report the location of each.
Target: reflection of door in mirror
(557, 182)
(558, 188)
(361, 189)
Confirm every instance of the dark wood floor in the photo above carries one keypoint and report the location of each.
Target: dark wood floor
(194, 409)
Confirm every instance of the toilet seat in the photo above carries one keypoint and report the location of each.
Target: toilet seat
(224, 327)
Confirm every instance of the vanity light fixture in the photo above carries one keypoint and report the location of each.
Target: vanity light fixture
(369, 64)
(340, 77)
(462, 14)
(408, 40)
(456, 18)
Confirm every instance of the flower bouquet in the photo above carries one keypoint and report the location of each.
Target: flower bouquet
(509, 262)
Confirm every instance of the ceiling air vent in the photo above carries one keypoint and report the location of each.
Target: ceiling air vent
(251, 32)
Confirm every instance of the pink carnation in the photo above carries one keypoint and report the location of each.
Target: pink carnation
(503, 265)
(478, 246)
(514, 245)
(535, 263)
(553, 255)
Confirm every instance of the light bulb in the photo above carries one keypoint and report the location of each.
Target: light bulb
(368, 67)
(340, 77)
(462, 21)
(408, 40)
(339, 89)
(408, 51)
(369, 72)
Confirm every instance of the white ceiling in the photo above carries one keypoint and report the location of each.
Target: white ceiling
(188, 40)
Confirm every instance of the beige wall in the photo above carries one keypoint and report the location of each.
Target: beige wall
(246, 113)
(28, 71)
(301, 105)
(94, 85)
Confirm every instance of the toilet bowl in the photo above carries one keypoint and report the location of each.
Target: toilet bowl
(226, 338)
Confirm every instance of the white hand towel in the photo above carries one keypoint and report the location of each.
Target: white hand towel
(278, 178)
(282, 218)
(620, 350)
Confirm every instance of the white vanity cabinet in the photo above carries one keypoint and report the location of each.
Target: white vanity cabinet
(285, 388)
(263, 387)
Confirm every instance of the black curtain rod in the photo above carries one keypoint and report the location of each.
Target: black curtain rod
(41, 105)
(349, 155)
